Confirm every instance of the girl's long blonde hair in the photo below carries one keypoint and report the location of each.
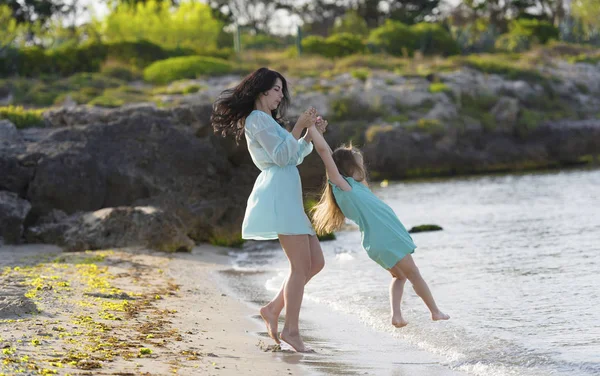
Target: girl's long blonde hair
(327, 216)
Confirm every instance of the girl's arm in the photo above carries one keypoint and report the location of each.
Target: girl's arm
(325, 153)
(306, 119)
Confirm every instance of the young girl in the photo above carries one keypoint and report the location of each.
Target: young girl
(255, 109)
(347, 195)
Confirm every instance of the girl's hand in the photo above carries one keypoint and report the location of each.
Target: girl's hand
(321, 124)
(308, 118)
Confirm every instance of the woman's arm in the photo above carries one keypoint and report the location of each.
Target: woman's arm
(325, 153)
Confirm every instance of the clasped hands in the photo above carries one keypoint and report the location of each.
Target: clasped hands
(309, 118)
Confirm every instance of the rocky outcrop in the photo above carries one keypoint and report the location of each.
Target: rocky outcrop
(397, 152)
(158, 177)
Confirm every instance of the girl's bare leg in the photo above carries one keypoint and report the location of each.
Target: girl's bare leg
(270, 312)
(407, 267)
(396, 290)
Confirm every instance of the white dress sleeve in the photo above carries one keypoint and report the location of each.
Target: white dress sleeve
(279, 144)
(305, 149)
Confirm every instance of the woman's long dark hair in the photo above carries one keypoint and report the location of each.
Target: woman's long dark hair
(234, 105)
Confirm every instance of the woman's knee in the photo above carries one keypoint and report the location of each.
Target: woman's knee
(317, 265)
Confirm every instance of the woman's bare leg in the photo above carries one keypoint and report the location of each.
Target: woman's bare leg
(409, 269)
(270, 312)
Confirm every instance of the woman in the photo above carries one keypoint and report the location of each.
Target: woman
(255, 108)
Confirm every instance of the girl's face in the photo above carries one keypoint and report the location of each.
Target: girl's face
(273, 97)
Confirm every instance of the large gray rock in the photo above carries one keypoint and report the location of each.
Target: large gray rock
(147, 227)
(9, 133)
(137, 159)
(13, 211)
(15, 172)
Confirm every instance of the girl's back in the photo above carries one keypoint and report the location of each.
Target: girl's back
(384, 237)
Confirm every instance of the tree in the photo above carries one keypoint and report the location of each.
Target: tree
(411, 11)
(31, 11)
(318, 16)
(253, 14)
(588, 12)
(10, 30)
(351, 23)
(189, 25)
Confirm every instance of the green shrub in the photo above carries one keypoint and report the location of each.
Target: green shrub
(439, 87)
(220, 53)
(540, 31)
(139, 54)
(337, 45)
(394, 38)
(40, 95)
(510, 42)
(433, 39)
(361, 74)
(314, 44)
(106, 101)
(192, 89)
(499, 65)
(21, 117)
(263, 42)
(87, 57)
(348, 108)
(523, 33)
(120, 71)
(164, 71)
(89, 80)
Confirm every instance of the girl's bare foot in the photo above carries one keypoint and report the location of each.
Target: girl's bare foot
(271, 320)
(295, 342)
(439, 316)
(398, 321)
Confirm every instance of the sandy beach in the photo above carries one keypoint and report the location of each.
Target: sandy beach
(128, 312)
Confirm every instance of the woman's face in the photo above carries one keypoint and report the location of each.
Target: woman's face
(273, 97)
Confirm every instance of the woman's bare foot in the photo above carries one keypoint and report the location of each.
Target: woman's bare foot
(271, 320)
(398, 321)
(295, 342)
(439, 316)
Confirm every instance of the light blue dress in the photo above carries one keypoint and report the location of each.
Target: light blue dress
(383, 236)
(275, 205)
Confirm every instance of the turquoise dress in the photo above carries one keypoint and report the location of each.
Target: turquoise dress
(275, 205)
(383, 236)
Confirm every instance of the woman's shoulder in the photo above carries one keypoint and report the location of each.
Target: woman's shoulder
(259, 120)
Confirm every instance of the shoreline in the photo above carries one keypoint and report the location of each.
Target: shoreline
(129, 311)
